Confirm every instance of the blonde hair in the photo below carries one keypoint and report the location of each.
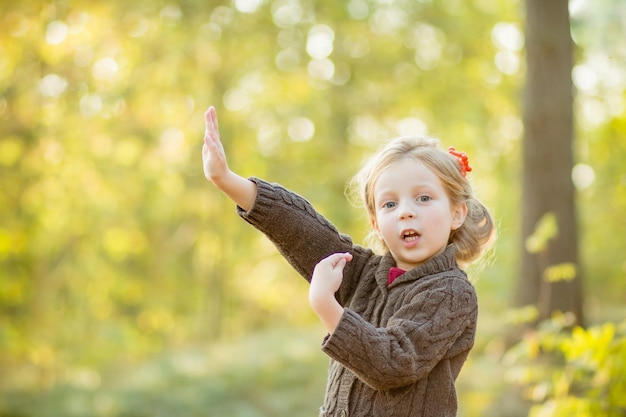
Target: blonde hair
(476, 233)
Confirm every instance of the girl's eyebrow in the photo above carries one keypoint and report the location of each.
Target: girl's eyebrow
(385, 194)
(414, 188)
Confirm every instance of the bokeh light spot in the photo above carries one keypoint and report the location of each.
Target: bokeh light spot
(301, 129)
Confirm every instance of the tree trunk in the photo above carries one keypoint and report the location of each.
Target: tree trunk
(547, 162)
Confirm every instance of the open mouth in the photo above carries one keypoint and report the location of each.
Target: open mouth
(410, 235)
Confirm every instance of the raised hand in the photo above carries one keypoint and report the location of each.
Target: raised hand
(216, 170)
(213, 155)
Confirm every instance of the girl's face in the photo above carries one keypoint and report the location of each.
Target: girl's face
(414, 216)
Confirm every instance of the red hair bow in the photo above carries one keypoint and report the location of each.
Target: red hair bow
(464, 165)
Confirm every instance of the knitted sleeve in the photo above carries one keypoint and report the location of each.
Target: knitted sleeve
(301, 235)
(436, 323)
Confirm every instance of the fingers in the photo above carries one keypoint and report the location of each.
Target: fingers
(212, 142)
(211, 131)
(211, 118)
(343, 258)
(338, 260)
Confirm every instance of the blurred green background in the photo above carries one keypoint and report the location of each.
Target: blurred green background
(128, 285)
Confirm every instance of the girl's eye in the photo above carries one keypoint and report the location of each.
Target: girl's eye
(389, 204)
(424, 198)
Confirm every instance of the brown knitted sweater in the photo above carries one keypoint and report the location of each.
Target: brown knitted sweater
(398, 349)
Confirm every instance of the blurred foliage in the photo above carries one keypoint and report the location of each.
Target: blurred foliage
(545, 230)
(579, 372)
(117, 257)
(256, 377)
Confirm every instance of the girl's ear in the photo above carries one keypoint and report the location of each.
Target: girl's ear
(375, 227)
(458, 216)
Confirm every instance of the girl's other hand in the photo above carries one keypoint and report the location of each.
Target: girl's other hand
(328, 274)
(325, 282)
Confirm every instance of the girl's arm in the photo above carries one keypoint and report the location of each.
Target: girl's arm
(240, 190)
(302, 236)
(435, 323)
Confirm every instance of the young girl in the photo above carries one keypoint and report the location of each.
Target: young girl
(401, 324)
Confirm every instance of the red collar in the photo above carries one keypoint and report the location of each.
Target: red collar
(393, 274)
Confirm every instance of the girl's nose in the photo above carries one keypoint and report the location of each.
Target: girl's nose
(406, 211)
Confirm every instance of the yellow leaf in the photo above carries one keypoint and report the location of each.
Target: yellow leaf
(560, 272)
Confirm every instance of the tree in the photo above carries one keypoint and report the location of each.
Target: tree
(549, 271)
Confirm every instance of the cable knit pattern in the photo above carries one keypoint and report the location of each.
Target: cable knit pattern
(398, 349)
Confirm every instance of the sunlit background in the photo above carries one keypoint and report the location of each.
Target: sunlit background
(128, 285)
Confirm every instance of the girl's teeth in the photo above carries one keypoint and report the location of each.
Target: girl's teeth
(409, 237)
